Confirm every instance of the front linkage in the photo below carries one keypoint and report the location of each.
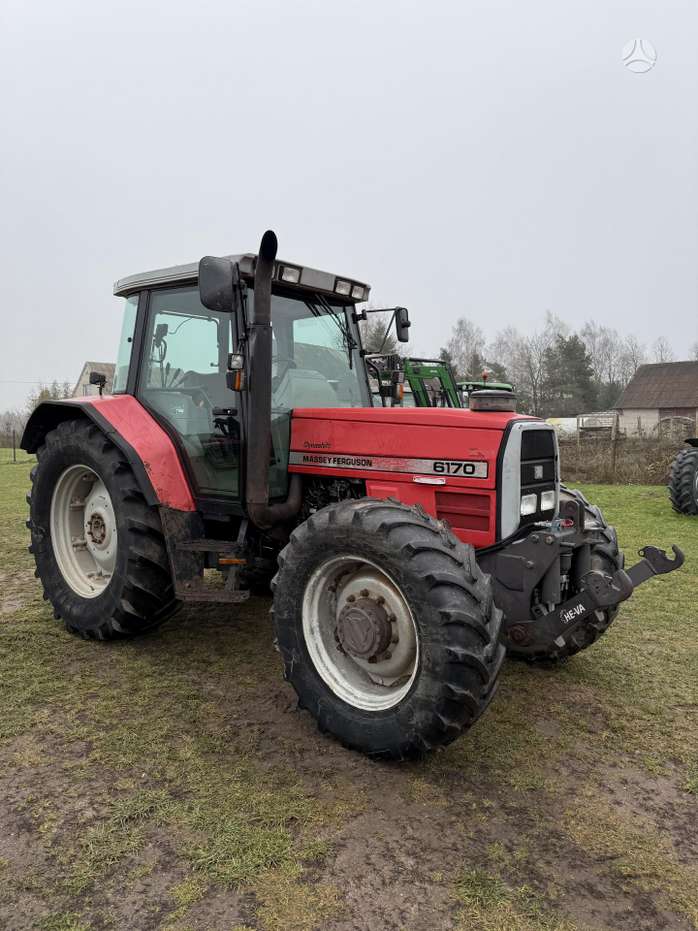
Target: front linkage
(549, 584)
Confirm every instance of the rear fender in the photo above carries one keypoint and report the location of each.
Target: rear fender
(134, 431)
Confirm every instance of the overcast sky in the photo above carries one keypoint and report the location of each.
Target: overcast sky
(494, 160)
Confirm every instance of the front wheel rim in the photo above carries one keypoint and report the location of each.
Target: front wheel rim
(350, 608)
(83, 531)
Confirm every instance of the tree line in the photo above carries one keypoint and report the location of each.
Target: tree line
(556, 372)
(15, 420)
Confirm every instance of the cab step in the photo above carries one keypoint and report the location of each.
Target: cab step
(187, 549)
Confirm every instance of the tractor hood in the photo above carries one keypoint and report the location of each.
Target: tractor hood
(445, 460)
(413, 416)
(409, 443)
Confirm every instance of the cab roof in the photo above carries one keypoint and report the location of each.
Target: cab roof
(312, 279)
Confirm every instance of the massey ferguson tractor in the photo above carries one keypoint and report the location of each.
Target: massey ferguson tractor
(410, 548)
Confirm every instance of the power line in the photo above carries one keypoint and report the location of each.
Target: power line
(39, 381)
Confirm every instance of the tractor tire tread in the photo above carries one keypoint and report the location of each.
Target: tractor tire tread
(683, 482)
(462, 636)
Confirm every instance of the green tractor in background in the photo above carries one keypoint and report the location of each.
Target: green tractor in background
(410, 382)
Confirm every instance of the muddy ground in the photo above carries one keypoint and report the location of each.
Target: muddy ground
(171, 782)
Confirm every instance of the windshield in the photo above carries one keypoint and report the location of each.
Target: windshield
(315, 355)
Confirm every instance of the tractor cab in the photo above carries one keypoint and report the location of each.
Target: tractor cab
(188, 363)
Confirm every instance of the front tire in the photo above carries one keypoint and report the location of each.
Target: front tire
(99, 548)
(387, 627)
(683, 482)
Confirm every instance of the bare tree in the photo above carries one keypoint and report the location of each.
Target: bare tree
(531, 363)
(605, 348)
(694, 352)
(11, 421)
(466, 346)
(526, 359)
(662, 351)
(633, 354)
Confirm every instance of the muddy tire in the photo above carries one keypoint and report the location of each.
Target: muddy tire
(387, 627)
(605, 557)
(99, 548)
(683, 482)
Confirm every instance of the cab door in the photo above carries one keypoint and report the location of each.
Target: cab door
(182, 382)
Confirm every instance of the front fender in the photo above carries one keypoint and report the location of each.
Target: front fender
(134, 431)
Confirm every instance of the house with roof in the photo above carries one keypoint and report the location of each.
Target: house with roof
(659, 398)
(83, 386)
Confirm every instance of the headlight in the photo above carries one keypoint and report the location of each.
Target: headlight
(529, 505)
(547, 501)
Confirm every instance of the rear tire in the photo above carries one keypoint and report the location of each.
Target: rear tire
(137, 593)
(440, 606)
(683, 482)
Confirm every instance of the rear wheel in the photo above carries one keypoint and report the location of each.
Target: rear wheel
(387, 627)
(99, 548)
(683, 482)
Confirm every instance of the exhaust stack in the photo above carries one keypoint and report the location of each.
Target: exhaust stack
(261, 513)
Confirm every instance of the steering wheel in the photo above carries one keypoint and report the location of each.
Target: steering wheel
(194, 390)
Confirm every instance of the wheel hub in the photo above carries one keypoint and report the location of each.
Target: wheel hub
(363, 627)
(360, 633)
(96, 529)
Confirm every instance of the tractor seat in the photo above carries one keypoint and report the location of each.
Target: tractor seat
(304, 388)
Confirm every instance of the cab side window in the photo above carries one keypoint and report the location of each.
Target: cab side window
(183, 382)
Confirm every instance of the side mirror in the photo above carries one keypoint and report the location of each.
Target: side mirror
(402, 324)
(219, 279)
(99, 379)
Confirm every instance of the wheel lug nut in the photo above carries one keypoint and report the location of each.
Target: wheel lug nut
(387, 654)
(364, 593)
(373, 659)
(395, 639)
(351, 598)
(380, 600)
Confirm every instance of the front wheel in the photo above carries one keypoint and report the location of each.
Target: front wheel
(387, 627)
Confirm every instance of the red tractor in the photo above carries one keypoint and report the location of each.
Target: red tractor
(409, 548)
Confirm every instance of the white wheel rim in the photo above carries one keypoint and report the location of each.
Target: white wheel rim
(83, 531)
(374, 684)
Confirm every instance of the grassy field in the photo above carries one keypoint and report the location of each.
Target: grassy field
(171, 783)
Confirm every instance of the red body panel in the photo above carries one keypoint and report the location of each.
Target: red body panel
(343, 443)
(156, 450)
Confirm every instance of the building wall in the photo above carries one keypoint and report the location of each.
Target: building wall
(83, 387)
(634, 421)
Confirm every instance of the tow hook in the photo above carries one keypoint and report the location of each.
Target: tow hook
(600, 590)
(654, 562)
(606, 592)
